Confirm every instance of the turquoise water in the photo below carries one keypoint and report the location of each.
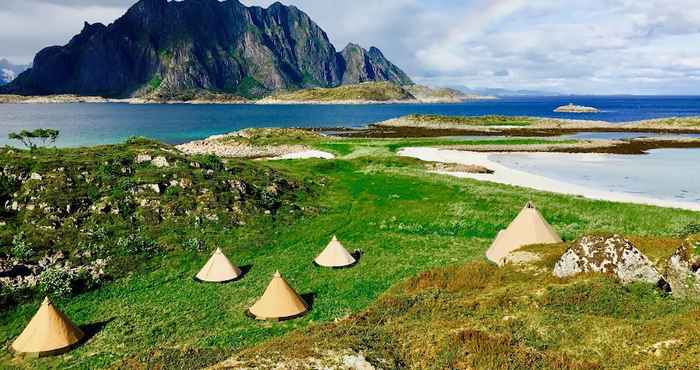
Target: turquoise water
(89, 124)
(672, 174)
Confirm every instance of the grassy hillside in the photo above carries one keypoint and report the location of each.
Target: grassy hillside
(478, 316)
(369, 91)
(102, 212)
(404, 219)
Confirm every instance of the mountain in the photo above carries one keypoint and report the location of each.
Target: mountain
(167, 48)
(366, 66)
(9, 71)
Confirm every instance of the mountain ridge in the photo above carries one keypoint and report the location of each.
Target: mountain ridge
(167, 48)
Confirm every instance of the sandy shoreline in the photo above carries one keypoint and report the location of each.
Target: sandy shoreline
(509, 176)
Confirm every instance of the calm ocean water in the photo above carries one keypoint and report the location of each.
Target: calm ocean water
(89, 124)
(672, 174)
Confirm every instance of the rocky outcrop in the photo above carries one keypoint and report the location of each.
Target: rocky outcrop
(173, 49)
(683, 269)
(572, 108)
(611, 254)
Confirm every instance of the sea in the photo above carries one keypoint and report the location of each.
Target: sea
(662, 174)
(91, 124)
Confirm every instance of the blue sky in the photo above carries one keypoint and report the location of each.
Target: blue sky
(596, 46)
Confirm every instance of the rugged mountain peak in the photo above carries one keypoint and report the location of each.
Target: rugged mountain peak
(364, 66)
(173, 48)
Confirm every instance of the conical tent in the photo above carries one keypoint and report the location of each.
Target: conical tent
(279, 302)
(335, 256)
(218, 269)
(49, 333)
(527, 229)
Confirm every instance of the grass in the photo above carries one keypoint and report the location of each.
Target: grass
(471, 121)
(479, 316)
(387, 147)
(405, 221)
(275, 137)
(369, 91)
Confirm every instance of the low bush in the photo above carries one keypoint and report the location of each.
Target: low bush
(56, 282)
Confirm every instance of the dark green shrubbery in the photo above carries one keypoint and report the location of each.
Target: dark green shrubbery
(21, 247)
(56, 282)
(210, 162)
(136, 244)
(690, 229)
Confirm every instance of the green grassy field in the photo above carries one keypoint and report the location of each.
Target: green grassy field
(471, 121)
(404, 220)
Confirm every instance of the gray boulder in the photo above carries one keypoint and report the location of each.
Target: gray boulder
(610, 254)
(683, 270)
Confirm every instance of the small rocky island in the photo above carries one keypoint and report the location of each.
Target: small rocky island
(572, 108)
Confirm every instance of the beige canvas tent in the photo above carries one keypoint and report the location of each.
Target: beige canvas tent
(279, 302)
(218, 269)
(335, 256)
(527, 229)
(49, 333)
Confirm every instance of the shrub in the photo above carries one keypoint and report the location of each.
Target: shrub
(211, 162)
(56, 282)
(137, 140)
(137, 244)
(690, 229)
(21, 247)
(194, 244)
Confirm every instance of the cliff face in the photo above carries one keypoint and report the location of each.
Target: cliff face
(164, 48)
(365, 66)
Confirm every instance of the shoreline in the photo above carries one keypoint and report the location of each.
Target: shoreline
(71, 99)
(508, 176)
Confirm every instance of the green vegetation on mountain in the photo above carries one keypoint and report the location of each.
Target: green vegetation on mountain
(369, 91)
(463, 313)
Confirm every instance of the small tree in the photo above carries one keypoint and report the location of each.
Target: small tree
(28, 137)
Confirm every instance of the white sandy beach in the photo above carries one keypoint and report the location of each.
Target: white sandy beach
(509, 176)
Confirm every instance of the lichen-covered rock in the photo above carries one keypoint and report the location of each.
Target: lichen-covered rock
(610, 255)
(160, 162)
(683, 270)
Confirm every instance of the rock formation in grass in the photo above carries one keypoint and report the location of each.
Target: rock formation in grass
(683, 269)
(70, 217)
(611, 254)
(177, 49)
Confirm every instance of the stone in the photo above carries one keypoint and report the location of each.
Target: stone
(35, 176)
(610, 254)
(160, 162)
(683, 270)
(521, 258)
(143, 158)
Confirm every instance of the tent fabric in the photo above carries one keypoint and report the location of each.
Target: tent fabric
(279, 302)
(218, 269)
(50, 332)
(335, 256)
(528, 228)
